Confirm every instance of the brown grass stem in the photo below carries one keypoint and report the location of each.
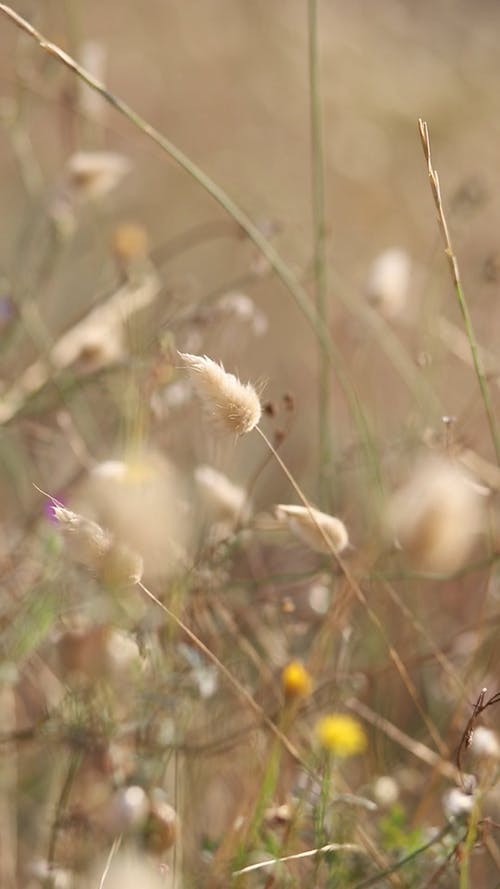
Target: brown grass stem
(457, 284)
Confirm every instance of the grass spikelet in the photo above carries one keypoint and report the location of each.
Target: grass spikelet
(312, 526)
(232, 406)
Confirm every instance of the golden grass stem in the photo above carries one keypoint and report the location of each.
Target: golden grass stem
(457, 284)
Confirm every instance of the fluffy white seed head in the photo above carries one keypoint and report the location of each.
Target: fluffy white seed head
(233, 406)
(436, 516)
(388, 282)
(312, 527)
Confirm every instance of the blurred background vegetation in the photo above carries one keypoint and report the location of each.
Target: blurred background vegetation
(100, 694)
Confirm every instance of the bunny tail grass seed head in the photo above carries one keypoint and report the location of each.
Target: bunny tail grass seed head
(232, 406)
(321, 532)
(437, 515)
(224, 500)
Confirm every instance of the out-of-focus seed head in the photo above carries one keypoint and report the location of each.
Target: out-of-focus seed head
(321, 532)
(143, 502)
(126, 811)
(388, 282)
(120, 566)
(90, 175)
(225, 501)
(385, 791)
(437, 515)
(232, 406)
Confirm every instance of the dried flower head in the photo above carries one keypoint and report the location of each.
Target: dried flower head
(437, 515)
(233, 406)
(341, 735)
(388, 282)
(321, 532)
(296, 680)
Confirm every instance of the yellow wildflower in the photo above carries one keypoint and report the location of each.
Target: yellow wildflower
(297, 682)
(341, 734)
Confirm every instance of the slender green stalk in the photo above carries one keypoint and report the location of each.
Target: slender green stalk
(320, 264)
(372, 881)
(457, 284)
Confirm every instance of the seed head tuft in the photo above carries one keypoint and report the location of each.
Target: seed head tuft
(233, 406)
